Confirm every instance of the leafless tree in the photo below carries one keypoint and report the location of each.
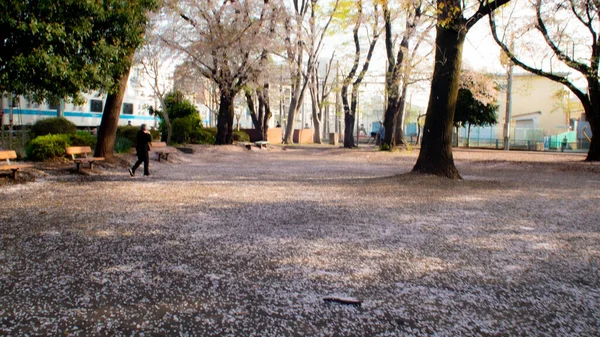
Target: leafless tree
(151, 58)
(571, 34)
(304, 41)
(227, 41)
(354, 77)
(402, 63)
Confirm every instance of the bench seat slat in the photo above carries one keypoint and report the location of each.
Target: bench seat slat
(7, 155)
(76, 151)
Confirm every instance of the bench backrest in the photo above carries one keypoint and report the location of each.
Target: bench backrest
(8, 155)
(78, 150)
(158, 144)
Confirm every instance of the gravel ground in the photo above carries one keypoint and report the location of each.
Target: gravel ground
(231, 242)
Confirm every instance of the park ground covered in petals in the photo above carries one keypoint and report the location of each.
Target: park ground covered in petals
(225, 241)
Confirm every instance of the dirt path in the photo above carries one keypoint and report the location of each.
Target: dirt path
(229, 242)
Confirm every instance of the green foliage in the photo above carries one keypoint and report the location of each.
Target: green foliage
(471, 111)
(155, 134)
(204, 136)
(123, 144)
(184, 117)
(54, 126)
(240, 136)
(58, 48)
(184, 128)
(178, 106)
(82, 138)
(128, 132)
(47, 147)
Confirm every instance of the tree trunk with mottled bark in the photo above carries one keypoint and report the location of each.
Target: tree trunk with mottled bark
(435, 156)
(107, 132)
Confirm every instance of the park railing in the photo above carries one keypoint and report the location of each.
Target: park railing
(14, 140)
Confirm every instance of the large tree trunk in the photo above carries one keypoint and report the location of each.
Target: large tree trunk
(107, 132)
(349, 120)
(399, 126)
(349, 116)
(225, 119)
(435, 156)
(592, 114)
(391, 115)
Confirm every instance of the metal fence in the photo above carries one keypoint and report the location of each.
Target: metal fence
(14, 140)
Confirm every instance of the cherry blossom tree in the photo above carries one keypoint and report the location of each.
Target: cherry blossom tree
(227, 41)
(570, 34)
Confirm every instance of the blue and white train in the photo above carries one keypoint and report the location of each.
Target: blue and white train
(134, 111)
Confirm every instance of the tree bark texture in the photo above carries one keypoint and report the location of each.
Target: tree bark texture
(107, 132)
(398, 126)
(435, 156)
(316, 124)
(225, 119)
(592, 113)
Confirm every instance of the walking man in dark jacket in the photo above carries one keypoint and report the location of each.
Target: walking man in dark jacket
(142, 147)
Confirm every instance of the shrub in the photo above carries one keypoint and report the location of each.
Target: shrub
(155, 134)
(240, 136)
(52, 126)
(123, 144)
(184, 128)
(47, 147)
(203, 136)
(82, 138)
(128, 132)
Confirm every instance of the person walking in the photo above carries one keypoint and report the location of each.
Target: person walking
(142, 147)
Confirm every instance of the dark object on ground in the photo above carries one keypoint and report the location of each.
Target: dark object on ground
(343, 300)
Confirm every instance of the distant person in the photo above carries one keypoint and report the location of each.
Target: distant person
(563, 145)
(362, 130)
(129, 123)
(278, 125)
(142, 147)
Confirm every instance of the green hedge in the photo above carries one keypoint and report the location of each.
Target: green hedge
(123, 144)
(52, 126)
(82, 138)
(130, 133)
(204, 136)
(47, 147)
(238, 136)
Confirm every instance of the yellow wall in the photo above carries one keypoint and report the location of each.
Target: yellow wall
(531, 93)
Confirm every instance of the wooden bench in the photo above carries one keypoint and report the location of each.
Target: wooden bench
(162, 150)
(8, 155)
(262, 144)
(79, 154)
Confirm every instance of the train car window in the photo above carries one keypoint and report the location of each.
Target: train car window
(96, 105)
(127, 109)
